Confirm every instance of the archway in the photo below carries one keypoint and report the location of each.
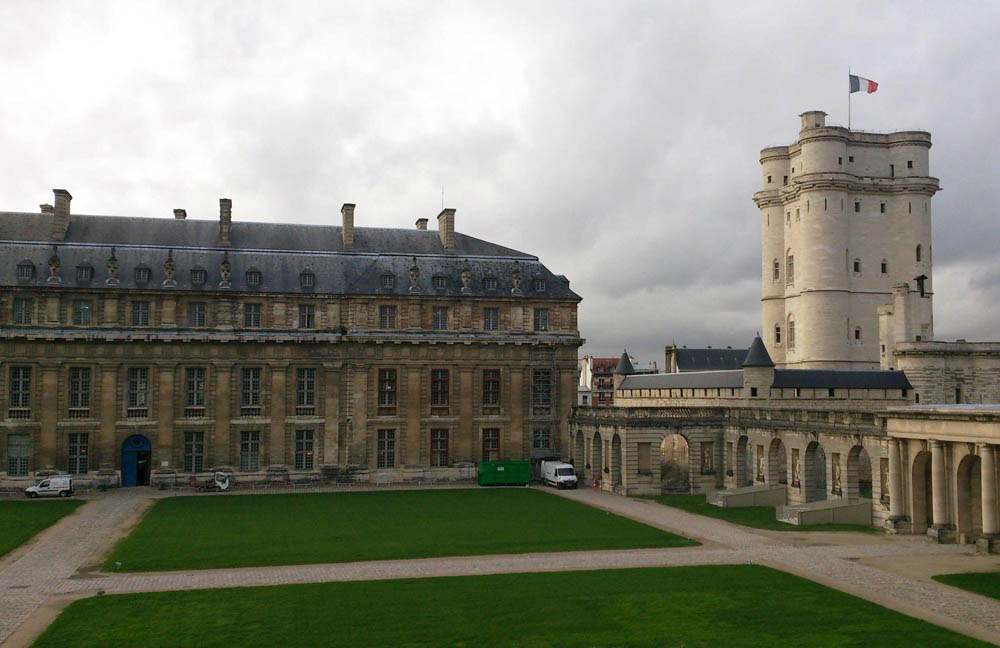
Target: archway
(815, 472)
(675, 475)
(744, 471)
(616, 460)
(970, 503)
(777, 463)
(920, 488)
(596, 458)
(580, 453)
(136, 452)
(859, 474)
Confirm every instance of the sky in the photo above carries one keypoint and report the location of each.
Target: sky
(618, 141)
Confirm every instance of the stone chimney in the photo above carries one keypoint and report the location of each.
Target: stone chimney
(347, 211)
(446, 228)
(225, 220)
(180, 214)
(421, 223)
(60, 214)
(46, 208)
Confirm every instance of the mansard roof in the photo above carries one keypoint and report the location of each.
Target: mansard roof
(709, 359)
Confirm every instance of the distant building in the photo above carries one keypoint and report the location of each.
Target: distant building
(596, 379)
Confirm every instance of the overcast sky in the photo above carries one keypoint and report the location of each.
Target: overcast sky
(618, 141)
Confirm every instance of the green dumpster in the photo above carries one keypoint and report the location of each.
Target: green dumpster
(504, 473)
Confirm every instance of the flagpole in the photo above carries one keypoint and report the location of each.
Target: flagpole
(848, 97)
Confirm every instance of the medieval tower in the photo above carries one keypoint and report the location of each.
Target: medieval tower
(845, 220)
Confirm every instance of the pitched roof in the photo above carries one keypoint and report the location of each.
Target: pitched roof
(689, 380)
(709, 359)
(624, 367)
(757, 356)
(840, 379)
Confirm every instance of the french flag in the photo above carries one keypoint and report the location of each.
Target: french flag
(861, 84)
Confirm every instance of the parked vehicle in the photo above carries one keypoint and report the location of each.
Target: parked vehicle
(218, 482)
(559, 474)
(61, 485)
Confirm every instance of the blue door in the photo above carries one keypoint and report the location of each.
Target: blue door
(136, 452)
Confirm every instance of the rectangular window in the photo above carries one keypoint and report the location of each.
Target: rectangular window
(791, 334)
(388, 281)
(491, 319)
(644, 453)
(491, 444)
(77, 459)
(440, 283)
(490, 283)
(22, 311)
(197, 314)
(25, 271)
(250, 392)
(82, 310)
(305, 391)
(20, 393)
(541, 319)
(304, 449)
(540, 439)
(777, 335)
(198, 277)
(137, 392)
(491, 387)
(881, 208)
(194, 392)
(440, 385)
(909, 164)
(386, 392)
(18, 454)
(541, 392)
(850, 158)
(251, 315)
(141, 275)
(84, 273)
(539, 285)
(307, 316)
(253, 277)
(249, 451)
(857, 206)
(140, 313)
(387, 317)
(439, 320)
(386, 456)
(79, 392)
(439, 448)
(194, 452)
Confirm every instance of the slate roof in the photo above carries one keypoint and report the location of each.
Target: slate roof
(709, 359)
(280, 251)
(689, 380)
(624, 366)
(805, 378)
(757, 356)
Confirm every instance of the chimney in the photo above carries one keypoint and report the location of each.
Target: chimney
(347, 211)
(421, 223)
(46, 208)
(60, 214)
(225, 220)
(446, 228)
(180, 214)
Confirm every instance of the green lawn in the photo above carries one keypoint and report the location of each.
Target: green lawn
(730, 605)
(985, 583)
(21, 520)
(758, 517)
(254, 530)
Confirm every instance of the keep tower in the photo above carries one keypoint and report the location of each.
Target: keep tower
(845, 218)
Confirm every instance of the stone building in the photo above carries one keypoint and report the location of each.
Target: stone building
(151, 345)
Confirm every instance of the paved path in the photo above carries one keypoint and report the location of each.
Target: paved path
(48, 568)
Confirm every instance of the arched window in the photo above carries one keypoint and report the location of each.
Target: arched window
(777, 333)
(791, 332)
(776, 270)
(885, 267)
(790, 268)
(919, 252)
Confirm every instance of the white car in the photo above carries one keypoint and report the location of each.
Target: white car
(559, 474)
(61, 485)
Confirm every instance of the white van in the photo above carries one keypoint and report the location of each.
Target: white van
(558, 474)
(61, 485)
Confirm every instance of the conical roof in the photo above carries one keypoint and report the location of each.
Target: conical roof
(625, 367)
(757, 356)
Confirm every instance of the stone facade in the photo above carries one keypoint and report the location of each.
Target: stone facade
(951, 372)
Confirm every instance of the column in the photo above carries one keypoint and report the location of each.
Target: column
(897, 510)
(109, 416)
(988, 480)
(165, 418)
(279, 397)
(48, 414)
(331, 414)
(223, 414)
(939, 484)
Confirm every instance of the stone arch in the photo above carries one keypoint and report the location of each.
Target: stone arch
(580, 452)
(816, 487)
(777, 463)
(859, 474)
(970, 503)
(921, 496)
(744, 471)
(596, 456)
(675, 463)
(616, 460)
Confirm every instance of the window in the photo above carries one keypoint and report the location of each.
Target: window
(776, 270)
(768, 179)
(386, 457)
(857, 333)
(307, 316)
(490, 283)
(140, 313)
(753, 392)
(307, 280)
(22, 311)
(439, 282)
(386, 392)
(881, 208)
(304, 451)
(388, 281)
(777, 334)
(141, 275)
(76, 458)
(197, 314)
(541, 392)
(643, 455)
(909, 164)
(82, 310)
(784, 180)
(790, 269)
(491, 319)
(79, 392)
(892, 170)
(137, 392)
(387, 317)
(19, 389)
(850, 158)
(198, 277)
(541, 319)
(539, 285)
(919, 250)
(885, 266)
(491, 444)
(791, 333)
(84, 273)
(840, 161)
(857, 206)
(18, 454)
(958, 394)
(439, 319)
(798, 216)
(194, 452)
(540, 439)
(305, 391)
(194, 392)
(857, 266)
(439, 448)
(491, 387)
(25, 270)
(249, 451)
(439, 388)
(251, 315)
(253, 277)
(250, 392)
(831, 392)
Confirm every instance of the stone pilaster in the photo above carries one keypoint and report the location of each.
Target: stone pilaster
(223, 414)
(331, 414)
(278, 399)
(48, 414)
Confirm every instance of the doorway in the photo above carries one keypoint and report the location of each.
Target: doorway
(136, 460)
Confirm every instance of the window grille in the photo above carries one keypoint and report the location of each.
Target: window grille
(540, 439)
(141, 275)
(304, 449)
(388, 281)
(194, 392)
(249, 451)
(194, 452)
(490, 283)
(491, 444)
(251, 315)
(137, 404)
(19, 390)
(198, 277)
(307, 280)
(439, 448)
(539, 285)
(25, 271)
(387, 317)
(386, 455)
(440, 318)
(82, 312)
(491, 387)
(140, 313)
(84, 273)
(250, 394)
(307, 316)
(18, 454)
(22, 311)
(77, 460)
(491, 319)
(305, 391)
(541, 392)
(439, 389)
(386, 392)
(541, 319)
(440, 283)
(253, 277)
(79, 392)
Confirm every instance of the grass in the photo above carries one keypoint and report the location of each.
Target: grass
(758, 517)
(985, 583)
(257, 530)
(694, 607)
(21, 521)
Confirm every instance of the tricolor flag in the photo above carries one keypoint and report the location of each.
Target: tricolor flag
(860, 84)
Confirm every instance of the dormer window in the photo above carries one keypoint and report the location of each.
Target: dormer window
(84, 273)
(388, 281)
(490, 283)
(198, 276)
(539, 285)
(253, 277)
(141, 275)
(440, 283)
(25, 270)
(307, 280)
